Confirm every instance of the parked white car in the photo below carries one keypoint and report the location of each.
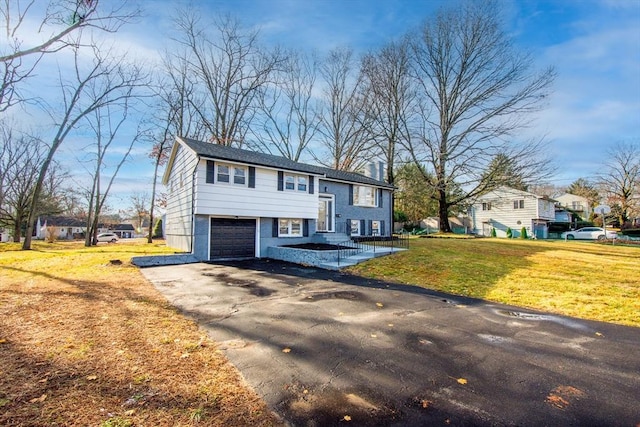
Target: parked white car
(107, 237)
(589, 233)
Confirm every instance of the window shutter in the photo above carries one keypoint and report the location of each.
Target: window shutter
(370, 227)
(363, 230)
(305, 228)
(211, 172)
(382, 228)
(348, 228)
(380, 193)
(351, 194)
(252, 177)
(311, 189)
(280, 181)
(274, 231)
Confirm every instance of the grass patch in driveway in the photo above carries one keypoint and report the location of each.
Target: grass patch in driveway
(84, 341)
(581, 279)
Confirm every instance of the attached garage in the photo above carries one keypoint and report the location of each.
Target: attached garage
(232, 238)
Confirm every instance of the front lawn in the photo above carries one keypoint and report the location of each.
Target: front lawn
(581, 279)
(85, 340)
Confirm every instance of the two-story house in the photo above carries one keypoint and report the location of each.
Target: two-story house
(226, 202)
(507, 207)
(578, 204)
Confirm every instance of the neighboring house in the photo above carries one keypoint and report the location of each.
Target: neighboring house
(458, 224)
(4, 235)
(62, 227)
(578, 204)
(124, 231)
(506, 208)
(226, 202)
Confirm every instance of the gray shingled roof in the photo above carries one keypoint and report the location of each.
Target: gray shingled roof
(222, 152)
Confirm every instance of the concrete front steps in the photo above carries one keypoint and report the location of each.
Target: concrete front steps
(330, 238)
(360, 257)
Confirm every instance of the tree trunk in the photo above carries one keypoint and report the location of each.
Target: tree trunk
(153, 198)
(443, 212)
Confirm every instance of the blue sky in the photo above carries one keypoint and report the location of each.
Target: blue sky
(593, 44)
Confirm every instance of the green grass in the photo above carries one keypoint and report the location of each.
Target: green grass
(581, 279)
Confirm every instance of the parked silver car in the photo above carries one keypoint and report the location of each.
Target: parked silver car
(107, 237)
(589, 233)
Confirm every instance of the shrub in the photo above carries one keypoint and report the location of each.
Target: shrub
(157, 230)
(509, 233)
(523, 233)
(493, 232)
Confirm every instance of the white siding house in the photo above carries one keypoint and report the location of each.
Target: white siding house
(229, 203)
(577, 204)
(507, 208)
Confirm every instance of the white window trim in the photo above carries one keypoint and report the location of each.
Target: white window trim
(355, 231)
(232, 169)
(356, 194)
(290, 227)
(518, 204)
(375, 228)
(296, 182)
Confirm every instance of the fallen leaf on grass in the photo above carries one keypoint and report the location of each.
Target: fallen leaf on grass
(379, 304)
(286, 350)
(3, 340)
(561, 396)
(598, 334)
(185, 355)
(374, 336)
(461, 381)
(425, 403)
(346, 418)
(92, 377)
(39, 399)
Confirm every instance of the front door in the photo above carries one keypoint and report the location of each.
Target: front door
(325, 214)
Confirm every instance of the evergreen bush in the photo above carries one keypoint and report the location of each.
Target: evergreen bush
(523, 233)
(509, 233)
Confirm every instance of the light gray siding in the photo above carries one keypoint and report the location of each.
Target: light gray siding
(179, 225)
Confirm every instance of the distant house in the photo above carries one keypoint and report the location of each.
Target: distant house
(226, 202)
(124, 231)
(578, 204)
(62, 227)
(4, 235)
(507, 208)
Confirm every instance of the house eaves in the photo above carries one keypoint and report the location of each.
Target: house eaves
(230, 154)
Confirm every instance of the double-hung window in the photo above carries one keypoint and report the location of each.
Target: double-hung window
(288, 227)
(375, 228)
(227, 174)
(355, 227)
(486, 206)
(518, 204)
(295, 183)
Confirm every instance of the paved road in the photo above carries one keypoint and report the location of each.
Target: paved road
(325, 348)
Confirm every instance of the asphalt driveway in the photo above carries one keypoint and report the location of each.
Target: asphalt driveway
(325, 348)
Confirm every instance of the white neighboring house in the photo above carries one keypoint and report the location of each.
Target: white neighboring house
(507, 207)
(4, 235)
(577, 204)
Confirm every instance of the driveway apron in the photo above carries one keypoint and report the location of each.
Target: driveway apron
(327, 348)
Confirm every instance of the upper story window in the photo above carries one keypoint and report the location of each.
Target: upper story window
(364, 195)
(486, 206)
(231, 174)
(518, 204)
(295, 183)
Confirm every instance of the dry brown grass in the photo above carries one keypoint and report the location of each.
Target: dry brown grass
(84, 342)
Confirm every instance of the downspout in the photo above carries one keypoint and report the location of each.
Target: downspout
(193, 202)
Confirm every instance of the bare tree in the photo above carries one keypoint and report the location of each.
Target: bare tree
(620, 179)
(21, 159)
(476, 91)
(391, 104)
(176, 115)
(140, 208)
(344, 127)
(106, 123)
(109, 80)
(288, 110)
(230, 68)
(56, 26)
